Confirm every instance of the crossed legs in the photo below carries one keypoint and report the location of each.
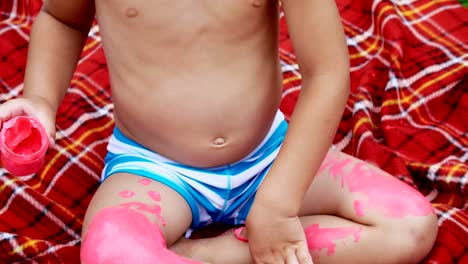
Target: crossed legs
(352, 213)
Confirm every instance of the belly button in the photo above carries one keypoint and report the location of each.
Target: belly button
(219, 141)
(131, 12)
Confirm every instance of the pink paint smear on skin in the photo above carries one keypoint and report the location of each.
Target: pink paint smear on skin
(156, 196)
(145, 181)
(359, 208)
(395, 198)
(154, 210)
(121, 235)
(126, 194)
(324, 238)
(162, 220)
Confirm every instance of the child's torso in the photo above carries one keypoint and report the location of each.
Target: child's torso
(196, 81)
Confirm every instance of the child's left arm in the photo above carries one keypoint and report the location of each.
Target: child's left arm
(318, 38)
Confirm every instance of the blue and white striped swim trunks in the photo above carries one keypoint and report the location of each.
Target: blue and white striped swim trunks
(219, 194)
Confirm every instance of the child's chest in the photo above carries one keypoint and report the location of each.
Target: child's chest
(167, 13)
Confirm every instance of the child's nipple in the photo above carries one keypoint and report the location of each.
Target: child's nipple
(256, 3)
(131, 12)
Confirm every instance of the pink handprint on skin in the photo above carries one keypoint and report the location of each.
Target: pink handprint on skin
(152, 209)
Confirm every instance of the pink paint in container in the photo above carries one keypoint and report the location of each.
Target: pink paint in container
(23, 144)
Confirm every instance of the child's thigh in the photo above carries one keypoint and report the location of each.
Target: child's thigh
(358, 191)
(158, 202)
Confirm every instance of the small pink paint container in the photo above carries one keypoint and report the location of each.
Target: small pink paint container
(23, 144)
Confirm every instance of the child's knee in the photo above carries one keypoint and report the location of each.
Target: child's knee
(424, 232)
(121, 234)
(415, 238)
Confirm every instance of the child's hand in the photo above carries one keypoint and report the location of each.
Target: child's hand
(276, 239)
(35, 107)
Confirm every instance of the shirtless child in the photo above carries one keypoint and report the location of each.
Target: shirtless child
(196, 87)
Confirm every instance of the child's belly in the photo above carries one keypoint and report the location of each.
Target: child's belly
(197, 82)
(205, 130)
(202, 116)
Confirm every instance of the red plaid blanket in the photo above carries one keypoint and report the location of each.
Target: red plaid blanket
(407, 114)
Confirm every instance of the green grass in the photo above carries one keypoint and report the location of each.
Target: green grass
(464, 2)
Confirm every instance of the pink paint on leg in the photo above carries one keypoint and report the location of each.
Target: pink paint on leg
(145, 181)
(152, 209)
(327, 162)
(337, 169)
(126, 194)
(385, 193)
(324, 238)
(359, 208)
(238, 233)
(156, 196)
(162, 220)
(121, 235)
(395, 198)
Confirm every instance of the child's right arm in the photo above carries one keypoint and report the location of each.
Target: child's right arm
(57, 39)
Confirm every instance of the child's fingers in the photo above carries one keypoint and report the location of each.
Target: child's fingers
(20, 106)
(11, 109)
(47, 122)
(303, 254)
(292, 259)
